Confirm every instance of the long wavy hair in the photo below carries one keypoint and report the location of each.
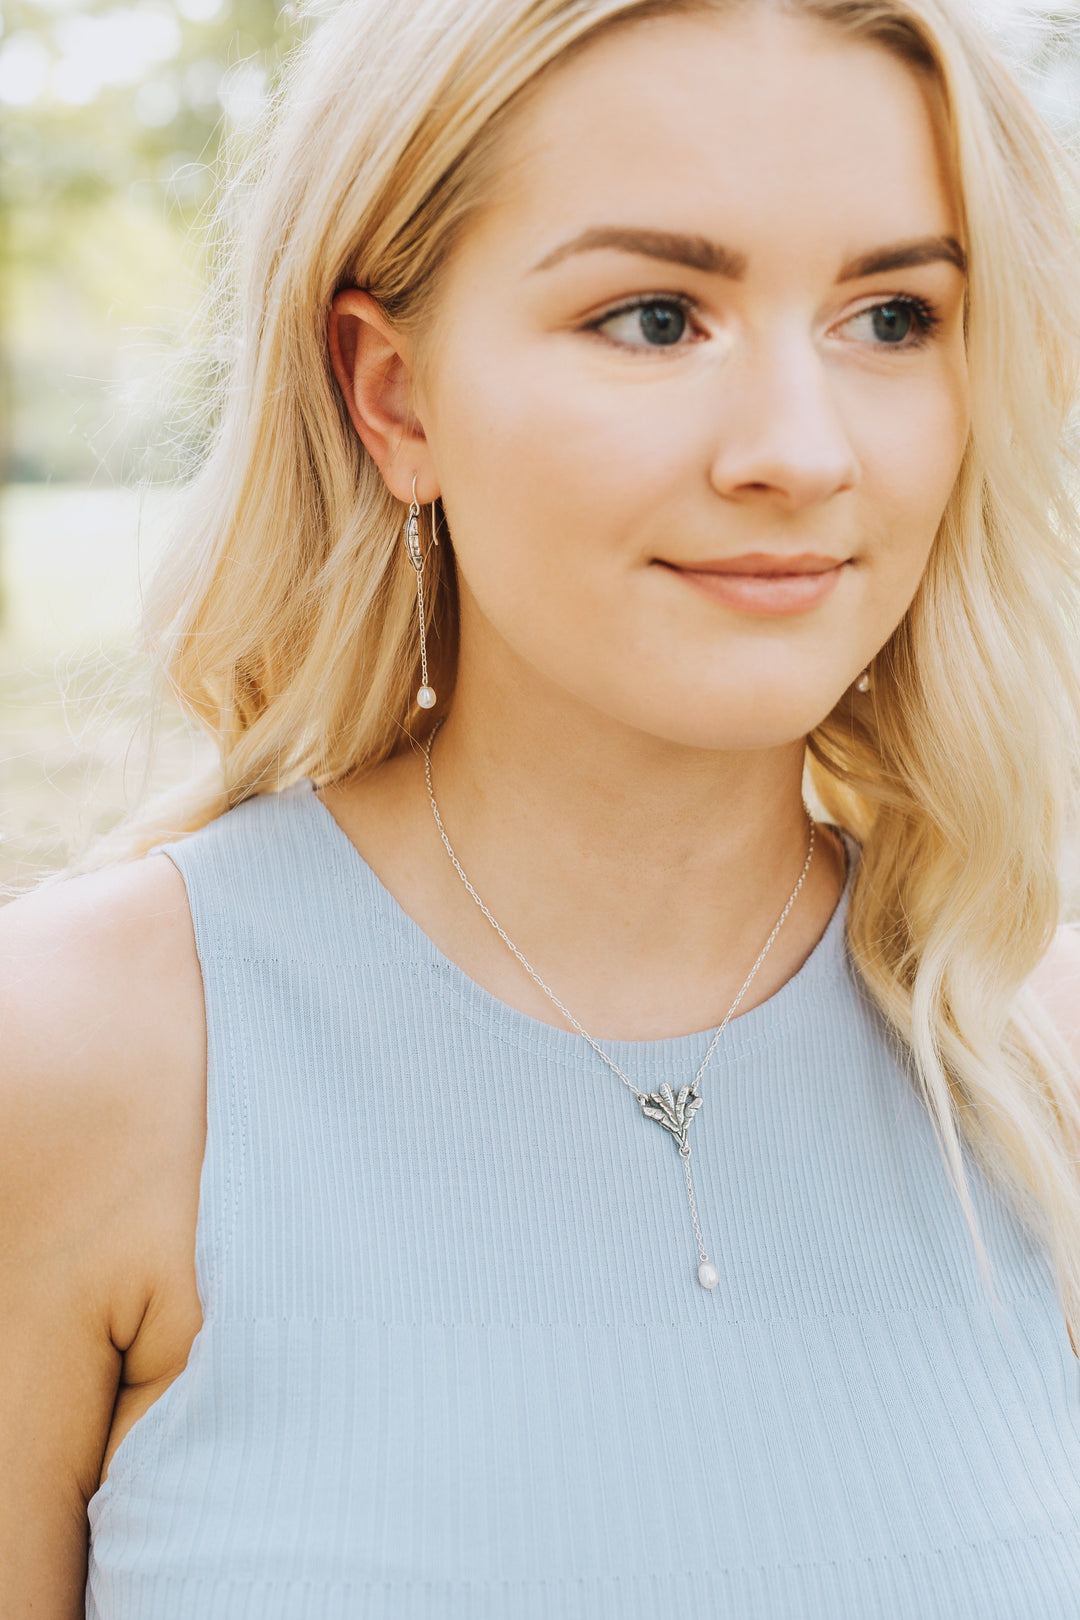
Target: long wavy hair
(282, 617)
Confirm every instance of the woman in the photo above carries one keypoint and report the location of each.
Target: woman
(631, 404)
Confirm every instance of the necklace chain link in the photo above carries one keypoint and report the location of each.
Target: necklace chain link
(671, 1112)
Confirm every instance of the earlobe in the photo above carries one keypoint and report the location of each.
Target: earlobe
(371, 362)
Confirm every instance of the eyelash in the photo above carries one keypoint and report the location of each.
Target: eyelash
(925, 313)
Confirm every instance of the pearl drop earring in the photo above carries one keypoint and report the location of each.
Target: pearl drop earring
(863, 682)
(426, 696)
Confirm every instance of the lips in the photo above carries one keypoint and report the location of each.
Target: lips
(764, 564)
(765, 583)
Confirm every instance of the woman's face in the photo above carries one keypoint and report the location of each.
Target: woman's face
(714, 312)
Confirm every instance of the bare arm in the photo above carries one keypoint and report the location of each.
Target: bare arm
(101, 1057)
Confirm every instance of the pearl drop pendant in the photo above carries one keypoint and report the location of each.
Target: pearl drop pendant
(707, 1274)
(426, 698)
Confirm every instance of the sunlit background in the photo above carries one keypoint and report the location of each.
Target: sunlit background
(113, 121)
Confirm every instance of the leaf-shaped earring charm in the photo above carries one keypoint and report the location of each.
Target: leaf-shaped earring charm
(412, 540)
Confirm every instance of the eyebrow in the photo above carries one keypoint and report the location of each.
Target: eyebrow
(698, 253)
(906, 256)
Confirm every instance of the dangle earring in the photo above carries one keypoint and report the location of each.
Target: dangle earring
(426, 696)
(863, 682)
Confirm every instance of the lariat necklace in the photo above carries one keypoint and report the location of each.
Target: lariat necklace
(673, 1113)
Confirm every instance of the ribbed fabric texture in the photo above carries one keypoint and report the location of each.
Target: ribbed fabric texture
(456, 1363)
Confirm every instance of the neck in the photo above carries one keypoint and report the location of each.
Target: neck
(640, 877)
(621, 815)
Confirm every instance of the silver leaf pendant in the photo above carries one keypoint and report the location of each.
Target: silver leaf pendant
(412, 542)
(673, 1113)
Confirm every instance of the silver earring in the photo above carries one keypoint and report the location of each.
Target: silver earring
(863, 682)
(426, 696)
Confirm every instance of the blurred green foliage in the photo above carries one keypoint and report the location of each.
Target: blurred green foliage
(113, 118)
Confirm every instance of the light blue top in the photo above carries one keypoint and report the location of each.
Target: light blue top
(456, 1363)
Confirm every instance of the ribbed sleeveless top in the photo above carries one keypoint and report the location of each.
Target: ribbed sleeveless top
(456, 1364)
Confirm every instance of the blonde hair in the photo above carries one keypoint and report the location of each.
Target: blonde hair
(283, 616)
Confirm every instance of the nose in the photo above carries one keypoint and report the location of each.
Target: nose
(781, 437)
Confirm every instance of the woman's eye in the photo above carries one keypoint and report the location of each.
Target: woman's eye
(901, 323)
(655, 324)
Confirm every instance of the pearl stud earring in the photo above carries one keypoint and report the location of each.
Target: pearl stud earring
(863, 682)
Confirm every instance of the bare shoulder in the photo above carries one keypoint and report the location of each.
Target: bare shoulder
(102, 1128)
(147, 895)
(1056, 983)
(99, 982)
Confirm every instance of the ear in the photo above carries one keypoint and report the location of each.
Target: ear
(372, 363)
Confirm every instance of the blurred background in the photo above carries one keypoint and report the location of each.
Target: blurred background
(114, 120)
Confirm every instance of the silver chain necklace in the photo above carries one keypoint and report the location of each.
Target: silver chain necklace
(672, 1112)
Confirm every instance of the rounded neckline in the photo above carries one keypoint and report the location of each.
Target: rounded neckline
(510, 1025)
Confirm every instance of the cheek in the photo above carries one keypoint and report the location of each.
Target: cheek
(551, 486)
(910, 448)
